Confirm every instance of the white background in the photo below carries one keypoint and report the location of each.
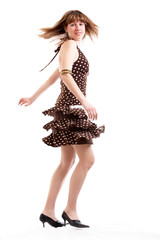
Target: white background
(120, 198)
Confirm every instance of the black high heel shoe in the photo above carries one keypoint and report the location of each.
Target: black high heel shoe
(74, 223)
(43, 218)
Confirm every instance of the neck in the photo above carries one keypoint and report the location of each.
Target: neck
(78, 43)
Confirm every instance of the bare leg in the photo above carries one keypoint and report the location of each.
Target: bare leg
(86, 160)
(67, 160)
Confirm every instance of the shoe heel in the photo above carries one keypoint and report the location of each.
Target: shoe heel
(41, 218)
(43, 223)
(64, 220)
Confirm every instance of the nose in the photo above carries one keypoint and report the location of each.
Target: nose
(77, 26)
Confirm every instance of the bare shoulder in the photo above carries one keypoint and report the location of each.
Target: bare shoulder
(68, 51)
(69, 45)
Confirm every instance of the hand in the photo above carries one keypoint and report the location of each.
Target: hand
(92, 112)
(26, 101)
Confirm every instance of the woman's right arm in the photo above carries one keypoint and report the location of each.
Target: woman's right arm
(47, 84)
(66, 59)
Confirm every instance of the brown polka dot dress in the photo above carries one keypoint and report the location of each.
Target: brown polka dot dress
(70, 124)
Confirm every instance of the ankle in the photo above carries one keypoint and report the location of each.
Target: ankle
(49, 213)
(71, 212)
(70, 209)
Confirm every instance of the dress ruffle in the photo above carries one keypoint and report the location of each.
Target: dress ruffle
(66, 110)
(70, 126)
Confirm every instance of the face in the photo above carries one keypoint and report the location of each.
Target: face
(76, 30)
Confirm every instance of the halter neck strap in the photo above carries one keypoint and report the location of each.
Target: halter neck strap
(56, 51)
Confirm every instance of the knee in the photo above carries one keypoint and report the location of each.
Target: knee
(67, 163)
(91, 162)
(88, 163)
(72, 162)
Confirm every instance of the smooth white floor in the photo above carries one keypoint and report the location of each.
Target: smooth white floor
(107, 232)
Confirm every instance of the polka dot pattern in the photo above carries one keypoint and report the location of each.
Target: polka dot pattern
(71, 125)
(80, 70)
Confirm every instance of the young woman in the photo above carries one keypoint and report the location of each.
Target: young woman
(72, 129)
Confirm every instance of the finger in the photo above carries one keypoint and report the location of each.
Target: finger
(93, 114)
(96, 115)
(19, 101)
(21, 104)
(89, 115)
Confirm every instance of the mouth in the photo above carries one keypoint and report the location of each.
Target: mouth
(78, 33)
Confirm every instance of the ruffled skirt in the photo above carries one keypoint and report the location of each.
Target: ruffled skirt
(70, 126)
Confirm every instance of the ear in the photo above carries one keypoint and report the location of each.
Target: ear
(65, 28)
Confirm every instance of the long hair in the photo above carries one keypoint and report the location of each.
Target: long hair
(58, 32)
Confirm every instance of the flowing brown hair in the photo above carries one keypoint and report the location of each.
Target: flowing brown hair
(58, 32)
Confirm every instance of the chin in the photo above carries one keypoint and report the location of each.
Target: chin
(78, 38)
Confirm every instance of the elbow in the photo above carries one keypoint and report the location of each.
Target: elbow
(49, 82)
(65, 77)
(52, 80)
